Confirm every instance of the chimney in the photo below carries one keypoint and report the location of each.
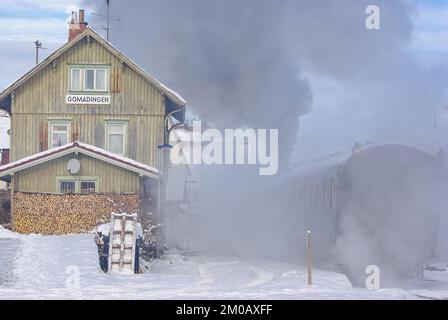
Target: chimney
(76, 25)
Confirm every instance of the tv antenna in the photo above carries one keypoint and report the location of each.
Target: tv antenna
(38, 47)
(108, 19)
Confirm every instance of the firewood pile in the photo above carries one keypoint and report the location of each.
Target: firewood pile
(67, 213)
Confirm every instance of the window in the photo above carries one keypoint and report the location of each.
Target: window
(58, 133)
(88, 78)
(75, 83)
(67, 186)
(95, 79)
(88, 186)
(116, 137)
(77, 184)
(100, 79)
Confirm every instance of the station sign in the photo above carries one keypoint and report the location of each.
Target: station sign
(87, 99)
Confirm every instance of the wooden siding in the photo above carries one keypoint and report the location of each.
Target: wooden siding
(42, 177)
(43, 98)
(29, 133)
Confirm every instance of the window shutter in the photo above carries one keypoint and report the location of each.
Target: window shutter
(43, 136)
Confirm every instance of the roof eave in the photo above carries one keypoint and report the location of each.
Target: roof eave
(73, 148)
(175, 97)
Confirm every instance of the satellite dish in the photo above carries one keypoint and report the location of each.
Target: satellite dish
(73, 166)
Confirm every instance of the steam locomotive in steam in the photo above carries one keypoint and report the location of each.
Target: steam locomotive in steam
(379, 205)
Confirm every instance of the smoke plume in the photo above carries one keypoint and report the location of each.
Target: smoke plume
(255, 63)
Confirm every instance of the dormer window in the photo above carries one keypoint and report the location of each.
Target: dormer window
(88, 78)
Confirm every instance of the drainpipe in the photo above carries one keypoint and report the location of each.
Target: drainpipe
(166, 131)
(164, 174)
(166, 144)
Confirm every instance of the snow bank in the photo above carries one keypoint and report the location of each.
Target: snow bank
(105, 229)
(47, 263)
(45, 267)
(7, 234)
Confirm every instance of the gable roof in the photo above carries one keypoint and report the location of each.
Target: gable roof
(171, 94)
(84, 148)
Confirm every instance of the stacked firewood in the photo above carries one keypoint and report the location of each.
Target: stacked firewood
(67, 213)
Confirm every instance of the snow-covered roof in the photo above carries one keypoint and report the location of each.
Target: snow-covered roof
(339, 158)
(319, 165)
(83, 148)
(174, 96)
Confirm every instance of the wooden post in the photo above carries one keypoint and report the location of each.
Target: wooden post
(309, 258)
(13, 227)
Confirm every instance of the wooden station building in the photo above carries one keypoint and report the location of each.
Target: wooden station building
(86, 124)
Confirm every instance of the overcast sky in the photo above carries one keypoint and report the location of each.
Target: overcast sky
(24, 21)
(429, 43)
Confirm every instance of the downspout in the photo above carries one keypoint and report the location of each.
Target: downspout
(166, 143)
(166, 131)
(163, 181)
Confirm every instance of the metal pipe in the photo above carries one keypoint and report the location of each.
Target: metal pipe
(163, 181)
(81, 16)
(166, 130)
(309, 258)
(108, 17)
(38, 46)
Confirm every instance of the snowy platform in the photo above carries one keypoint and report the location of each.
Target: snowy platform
(39, 267)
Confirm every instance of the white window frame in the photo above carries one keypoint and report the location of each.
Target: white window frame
(94, 180)
(60, 181)
(106, 79)
(51, 131)
(77, 180)
(82, 77)
(125, 134)
(95, 69)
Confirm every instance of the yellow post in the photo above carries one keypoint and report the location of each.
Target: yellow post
(309, 258)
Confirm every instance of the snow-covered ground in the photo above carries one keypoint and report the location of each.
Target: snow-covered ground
(44, 267)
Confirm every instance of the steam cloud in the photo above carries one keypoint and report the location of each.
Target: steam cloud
(247, 63)
(252, 63)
